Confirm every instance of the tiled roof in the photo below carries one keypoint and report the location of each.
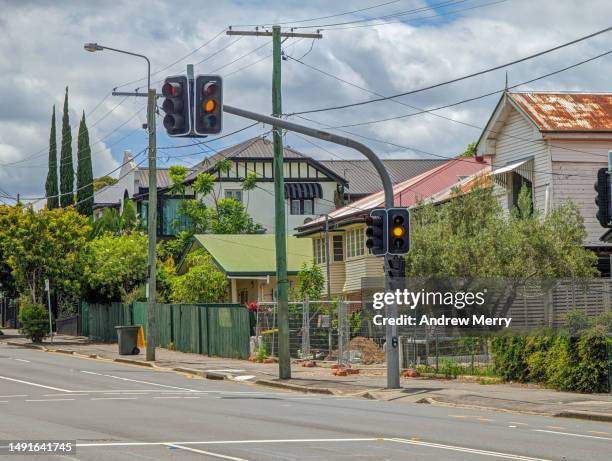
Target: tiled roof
(567, 111)
(363, 178)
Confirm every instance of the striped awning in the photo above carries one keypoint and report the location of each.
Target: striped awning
(303, 190)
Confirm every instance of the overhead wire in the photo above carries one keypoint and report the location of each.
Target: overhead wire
(461, 78)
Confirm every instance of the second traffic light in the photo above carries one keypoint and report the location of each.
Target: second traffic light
(603, 202)
(376, 232)
(176, 106)
(208, 104)
(398, 227)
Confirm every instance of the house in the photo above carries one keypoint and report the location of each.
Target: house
(553, 144)
(363, 179)
(311, 189)
(249, 262)
(133, 184)
(350, 260)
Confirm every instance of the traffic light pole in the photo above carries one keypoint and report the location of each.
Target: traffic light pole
(393, 264)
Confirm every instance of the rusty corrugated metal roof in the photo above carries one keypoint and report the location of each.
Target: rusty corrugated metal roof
(567, 111)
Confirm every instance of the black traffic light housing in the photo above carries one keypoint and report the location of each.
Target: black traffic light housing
(208, 104)
(176, 105)
(398, 228)
(603, 202)
(376, 232)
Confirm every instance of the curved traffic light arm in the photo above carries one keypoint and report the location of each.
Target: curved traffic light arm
(326, 136)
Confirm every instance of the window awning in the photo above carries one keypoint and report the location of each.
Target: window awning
(522, 167)
(303, 190)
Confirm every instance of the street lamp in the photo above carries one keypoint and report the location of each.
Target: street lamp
(152, 207)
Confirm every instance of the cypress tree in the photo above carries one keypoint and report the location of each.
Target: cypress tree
(51, 190)
(66, 168)
(85, 189)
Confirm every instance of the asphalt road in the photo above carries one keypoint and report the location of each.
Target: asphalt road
(121, 412)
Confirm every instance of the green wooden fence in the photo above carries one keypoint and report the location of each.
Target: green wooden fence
(99, 320)
(213, 329)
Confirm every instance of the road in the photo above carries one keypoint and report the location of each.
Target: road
(122, 412)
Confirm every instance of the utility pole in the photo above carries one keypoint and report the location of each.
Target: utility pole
(152, 225)
(280, 227)
(327, 273)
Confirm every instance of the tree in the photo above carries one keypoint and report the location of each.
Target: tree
(470, 151)
(470, 237)
(116, 265)
(310, 282)
(51, 190)
(226, 216)
(44, 245)
(202, 283)
(85, 189)
(111, 222)
(103, 181)
(66, 168)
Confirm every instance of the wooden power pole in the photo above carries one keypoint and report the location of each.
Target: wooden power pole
(280, 231)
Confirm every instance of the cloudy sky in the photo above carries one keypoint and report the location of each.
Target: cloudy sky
(415, 44)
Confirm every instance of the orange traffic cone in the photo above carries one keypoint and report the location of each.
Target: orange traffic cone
(141, 338)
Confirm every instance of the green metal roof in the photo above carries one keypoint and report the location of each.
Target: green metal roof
(253, 254)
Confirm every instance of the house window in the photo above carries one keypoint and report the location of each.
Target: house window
(236, 194)
(302, 207)
(318, 250)
(518, 182)
(338, 248)
(355, 243)
(173, 221)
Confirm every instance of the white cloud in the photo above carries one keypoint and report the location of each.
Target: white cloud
(41, 53)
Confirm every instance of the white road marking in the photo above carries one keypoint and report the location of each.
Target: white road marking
(169, 397)
(57, 395)
(114, 398)
(475, 451)
(202, 452)
(29, 383)
(573, 435)
(3, 401)
(48, 400)
(243, 377)
(138, 381)
(23, 360)
(17, 395)
(225, 442)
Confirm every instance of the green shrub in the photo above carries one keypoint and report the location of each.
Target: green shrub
(34, 320)
(509, 359)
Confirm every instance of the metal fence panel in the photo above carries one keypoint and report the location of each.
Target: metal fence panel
(103, 318)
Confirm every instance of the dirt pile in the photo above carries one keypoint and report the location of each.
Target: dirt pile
(370, 351)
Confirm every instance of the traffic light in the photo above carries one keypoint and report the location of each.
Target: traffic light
(208, 104)
(176, 106)
(398, 225)
(603, 202)
(376, 232)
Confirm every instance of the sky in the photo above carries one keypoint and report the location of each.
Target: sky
(416, 43)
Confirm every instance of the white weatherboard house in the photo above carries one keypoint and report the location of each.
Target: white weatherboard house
(553, 143)
(311, 189)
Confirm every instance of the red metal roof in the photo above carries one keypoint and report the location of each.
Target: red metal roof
(567, 111)
(409, 192)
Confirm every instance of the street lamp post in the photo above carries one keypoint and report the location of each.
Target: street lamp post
(152, 206)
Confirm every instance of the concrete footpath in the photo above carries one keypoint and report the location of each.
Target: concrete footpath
(369, 383)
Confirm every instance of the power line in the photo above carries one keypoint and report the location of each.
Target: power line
(476, 98)
(405, 21)
(320, 17)
(195, 50)
(458, 79)
(387, 16)
(430, 111)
